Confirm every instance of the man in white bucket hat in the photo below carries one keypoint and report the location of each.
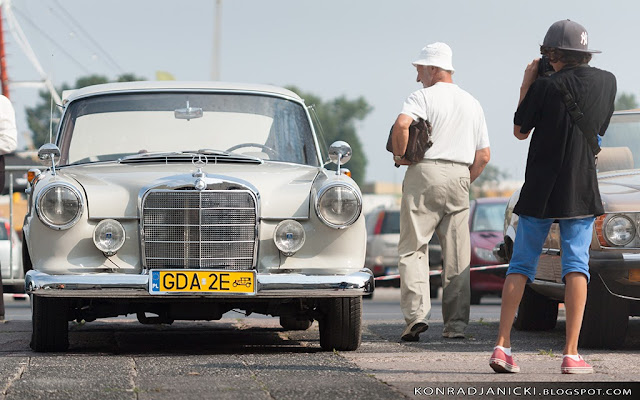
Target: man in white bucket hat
(435, 193)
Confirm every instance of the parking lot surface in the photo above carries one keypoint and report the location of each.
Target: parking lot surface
(253, 357)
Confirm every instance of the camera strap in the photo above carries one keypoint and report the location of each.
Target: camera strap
(577, 116)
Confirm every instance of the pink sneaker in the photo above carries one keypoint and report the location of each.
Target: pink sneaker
(571, 366)
(501, 362)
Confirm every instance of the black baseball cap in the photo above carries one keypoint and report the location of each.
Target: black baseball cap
(568, 35)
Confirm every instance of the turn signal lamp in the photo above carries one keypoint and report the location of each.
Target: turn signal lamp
(32, 175)
(599, 223)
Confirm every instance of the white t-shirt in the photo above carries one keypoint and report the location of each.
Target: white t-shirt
(459, 127)
(8, 132)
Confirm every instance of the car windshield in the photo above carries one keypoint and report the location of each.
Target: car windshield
(488, 217)
(109, 127)
(621, 144)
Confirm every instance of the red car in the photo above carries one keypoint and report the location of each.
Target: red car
(486, 219)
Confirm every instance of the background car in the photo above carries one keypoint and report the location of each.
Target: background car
(614, 265)
(383, 235)
(12, 272)
(486, 220)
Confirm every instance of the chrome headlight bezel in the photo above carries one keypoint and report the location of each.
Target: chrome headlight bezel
(42, 212)
(350, 219)
(606, 230)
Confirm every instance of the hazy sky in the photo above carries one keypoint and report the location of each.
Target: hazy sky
(330, 48)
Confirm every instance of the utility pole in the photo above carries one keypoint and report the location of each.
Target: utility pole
(4, 80)
(215, 69)
(21, 40)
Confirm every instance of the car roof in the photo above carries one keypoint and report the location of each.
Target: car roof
(70, 95)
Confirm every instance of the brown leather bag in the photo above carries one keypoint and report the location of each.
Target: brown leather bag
(419, 140)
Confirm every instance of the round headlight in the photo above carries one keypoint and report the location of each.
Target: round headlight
(108, 236)
(289, 237)
(619, 230)
(338, 206)
(59, 206)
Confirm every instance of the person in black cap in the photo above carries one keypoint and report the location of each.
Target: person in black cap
(568, 109)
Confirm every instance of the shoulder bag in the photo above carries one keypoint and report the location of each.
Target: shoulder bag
(419, 141)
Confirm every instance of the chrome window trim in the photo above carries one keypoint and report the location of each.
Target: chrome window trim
(296, 100)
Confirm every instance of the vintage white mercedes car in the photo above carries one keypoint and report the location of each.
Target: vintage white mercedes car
(182, 201)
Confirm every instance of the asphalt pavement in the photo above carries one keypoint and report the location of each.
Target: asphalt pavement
(253, 357)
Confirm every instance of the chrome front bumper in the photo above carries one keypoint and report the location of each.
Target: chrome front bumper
(108, 285)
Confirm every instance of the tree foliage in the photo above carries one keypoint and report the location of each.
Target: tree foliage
(491, 173)
(338, 119)
(487, 184)
(626, 101)
(40, 116)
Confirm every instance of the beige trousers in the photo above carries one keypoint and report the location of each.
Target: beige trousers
(435, 198)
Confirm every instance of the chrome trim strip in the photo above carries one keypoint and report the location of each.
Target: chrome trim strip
(136, 285)
(121, 218)
(279, 219)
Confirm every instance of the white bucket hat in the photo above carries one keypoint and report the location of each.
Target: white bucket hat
(437, 55)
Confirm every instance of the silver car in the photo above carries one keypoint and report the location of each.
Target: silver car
(11, 259)
(383, 235)
(174, 200)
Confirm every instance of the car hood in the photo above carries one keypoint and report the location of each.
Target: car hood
(620, 191)
(112, 189)
(486, 239)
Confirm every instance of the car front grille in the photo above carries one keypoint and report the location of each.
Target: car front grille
(199, 229)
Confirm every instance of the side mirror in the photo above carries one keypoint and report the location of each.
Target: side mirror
(340, 153)
(49, 153)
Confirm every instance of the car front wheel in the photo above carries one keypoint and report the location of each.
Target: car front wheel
(50, 324)
(606, 317)
(536, 312)
(341, 325)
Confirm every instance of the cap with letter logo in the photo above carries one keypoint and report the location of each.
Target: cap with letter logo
(568, 35)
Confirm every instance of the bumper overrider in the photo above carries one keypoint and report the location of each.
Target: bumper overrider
(113, 285)
(604, 261)
(618, 271)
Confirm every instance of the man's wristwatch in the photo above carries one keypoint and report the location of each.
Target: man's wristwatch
(397, 158)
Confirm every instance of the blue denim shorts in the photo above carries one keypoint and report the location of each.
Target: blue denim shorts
(575, 238)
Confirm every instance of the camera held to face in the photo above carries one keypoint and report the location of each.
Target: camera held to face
(544, 67)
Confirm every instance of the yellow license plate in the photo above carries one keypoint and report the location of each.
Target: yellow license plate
(202, 281)
(634, 275)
